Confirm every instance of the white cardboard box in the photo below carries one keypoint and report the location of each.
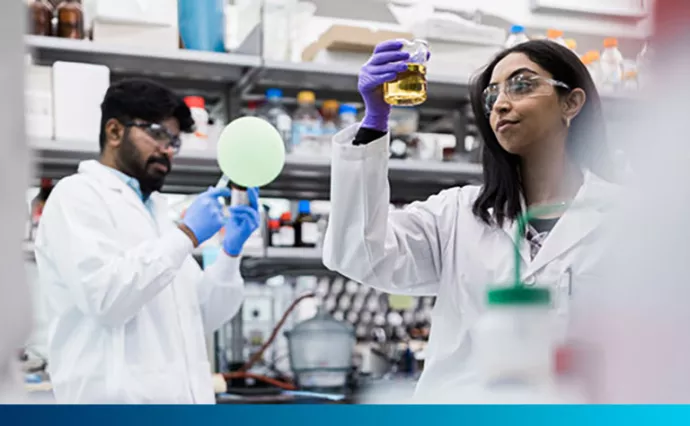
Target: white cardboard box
(78, 90)
(39, 101)
(140, 36)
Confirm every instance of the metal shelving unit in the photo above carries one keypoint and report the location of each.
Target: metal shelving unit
(287, 261)
(233, 76)
(340, 82)
(302, 177)
(209, 67)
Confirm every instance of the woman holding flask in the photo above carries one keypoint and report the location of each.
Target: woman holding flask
(539, 115)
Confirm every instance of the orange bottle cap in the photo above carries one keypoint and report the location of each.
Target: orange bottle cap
(553, 33)
(610, 42)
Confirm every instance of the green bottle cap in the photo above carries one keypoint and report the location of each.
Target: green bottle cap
(519, 295)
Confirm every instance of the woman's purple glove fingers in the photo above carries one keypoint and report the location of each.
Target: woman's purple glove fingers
(383, 66)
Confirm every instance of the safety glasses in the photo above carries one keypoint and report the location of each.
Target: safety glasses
(519, 87)
(159, 134)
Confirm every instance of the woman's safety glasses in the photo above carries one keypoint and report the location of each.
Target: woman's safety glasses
(519, 87)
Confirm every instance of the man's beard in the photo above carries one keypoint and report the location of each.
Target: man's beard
(150, 179)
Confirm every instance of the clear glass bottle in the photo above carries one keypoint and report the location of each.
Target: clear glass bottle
(517, 36)
(556, 36)
(329, 110)
(644, 64)
(611, 65)
(347, 116)
(307, 125)
(306, 228)
(275, 113)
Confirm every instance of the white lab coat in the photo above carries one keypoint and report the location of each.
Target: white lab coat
(438, 247)
(128, 306)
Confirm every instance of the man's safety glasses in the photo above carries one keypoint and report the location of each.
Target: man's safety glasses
(519, 87)
(160, 134)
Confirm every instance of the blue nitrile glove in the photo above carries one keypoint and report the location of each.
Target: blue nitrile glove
(243, 221)
(205, 216)
(383, 66)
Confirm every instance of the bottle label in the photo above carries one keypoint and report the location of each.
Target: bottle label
(310, 233)
(398, 147)
(283, 123)
(276, 240)
(330, 128)
(287, 236)
(613, 73)
(304, 131)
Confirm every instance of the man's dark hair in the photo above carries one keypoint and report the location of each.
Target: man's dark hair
(143, 99)
(586, 142)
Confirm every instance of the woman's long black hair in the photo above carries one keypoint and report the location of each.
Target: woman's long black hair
(586, 144)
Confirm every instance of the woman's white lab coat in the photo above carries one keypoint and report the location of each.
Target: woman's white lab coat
(129, 308)
(438, 247)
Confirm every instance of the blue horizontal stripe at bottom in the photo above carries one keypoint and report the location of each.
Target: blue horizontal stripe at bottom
(336, 415)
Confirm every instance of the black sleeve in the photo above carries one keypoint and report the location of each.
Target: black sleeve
(364, 136)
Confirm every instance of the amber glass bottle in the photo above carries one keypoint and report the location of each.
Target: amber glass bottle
(70, 20)
(41, 18)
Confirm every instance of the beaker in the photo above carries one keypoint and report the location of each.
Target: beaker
(410, 87)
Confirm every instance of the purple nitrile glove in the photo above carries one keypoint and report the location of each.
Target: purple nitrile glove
(383, 66)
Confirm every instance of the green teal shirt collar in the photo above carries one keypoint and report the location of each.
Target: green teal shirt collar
(132, 183)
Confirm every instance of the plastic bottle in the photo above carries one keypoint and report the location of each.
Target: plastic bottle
(321, 226)
(348, 116)
(202, 24)
(329, 111)
(252, 109)
(274, 233)
(517, 36)
(611, 65)
(287, 231)
(556, 36)
(644, 61)
(38, 203)
(591, 60)
(514, 348)
(306, 125)
(306, 228)
(197, 106)
(571, 44)
(630, 81)
(274, 112)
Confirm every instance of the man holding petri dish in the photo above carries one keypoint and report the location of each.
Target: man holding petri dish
(128, 306)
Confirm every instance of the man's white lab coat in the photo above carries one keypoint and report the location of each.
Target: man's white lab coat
(128, 306)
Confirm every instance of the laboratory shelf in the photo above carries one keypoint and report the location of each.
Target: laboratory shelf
(260, 265)
(335, 81)
(301, 178)
(214, 73)
(338, 81)
(286, 261)
(173, 63)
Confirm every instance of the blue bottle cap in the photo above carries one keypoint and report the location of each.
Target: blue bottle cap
(345, 109)
(515, 29)
(274, 93)
(303, 207)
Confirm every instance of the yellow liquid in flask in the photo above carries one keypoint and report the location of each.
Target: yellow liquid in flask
(408, 89)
